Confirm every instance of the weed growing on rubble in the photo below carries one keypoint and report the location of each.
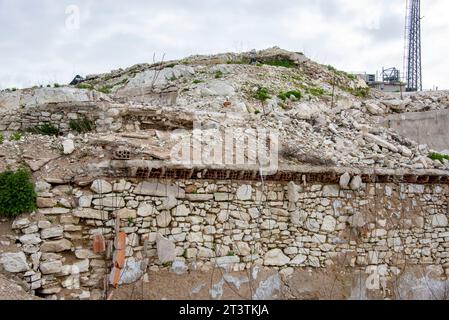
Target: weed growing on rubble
(2, 138)
(280, 62)
(86, 86)
(262, 94)
(83, 125)
(360, 92)
(196, 81)
(16, 136)
(316, 91)
(287, 95)
(439, 157)
(105, 90)
(17, 193)
(218, 74)
(47, 129)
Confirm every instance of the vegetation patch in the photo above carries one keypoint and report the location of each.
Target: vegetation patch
(47, 129)
(439, 157)
(287, 95)
(280, 62)
(105, 89)
(196, 81)
(2, 138)
(83, 125)
(17, 193)
(16, 136)
(86, 86)
(262, 94)
(316, 91)
(360, 92)
(218, 74)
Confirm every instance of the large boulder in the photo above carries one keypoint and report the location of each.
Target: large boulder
(101, 187)
(14, 262)
(276, 257)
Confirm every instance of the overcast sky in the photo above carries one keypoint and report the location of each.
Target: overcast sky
(43, 42)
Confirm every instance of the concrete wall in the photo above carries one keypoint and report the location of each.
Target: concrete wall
(431, 128)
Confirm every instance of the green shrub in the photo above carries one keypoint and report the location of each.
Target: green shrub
(57, 85)
(82, 125)
(16, 136)
(360, 92)
(280, 62)
(286, 95)
(257, 112)
(17, 193)
(262, 94)
(316, 91)
(231, 254)
(352, 76)
(47, 129)
(2, 138)
(218, 74)
(196, 81)
(439, 157)
(105, 90)
(86, 86)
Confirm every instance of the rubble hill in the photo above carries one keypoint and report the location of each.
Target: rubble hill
(325, 117)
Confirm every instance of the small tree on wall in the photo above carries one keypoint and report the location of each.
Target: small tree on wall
(17, 193)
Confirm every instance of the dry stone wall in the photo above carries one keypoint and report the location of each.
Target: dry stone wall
(216, 223)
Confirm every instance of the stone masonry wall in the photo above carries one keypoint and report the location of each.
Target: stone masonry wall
(240, 224)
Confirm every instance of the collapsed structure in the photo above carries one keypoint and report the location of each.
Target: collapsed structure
(346, 194)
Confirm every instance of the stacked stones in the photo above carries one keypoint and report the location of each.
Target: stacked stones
(278, 225)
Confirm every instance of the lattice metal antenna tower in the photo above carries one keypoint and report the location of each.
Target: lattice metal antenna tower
(412, 55)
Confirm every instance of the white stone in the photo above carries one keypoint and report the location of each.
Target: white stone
(159, 190)
(30, 239)
(293, 192)
(344, 180)
(42, 186)
(276, 257)
(356, 183)
(51, 267)
(244, 192)
(181, 211)
(53, 232)
(87, 213)
(163, 219)
(81, 266)
(68, 146)
(268, 225)
(166, 249)
(169, 203)
(331, 191)
(56, 246)
(298, 260)
(101, 187)
(146, 210)
(439, 221)
(329, 224)
(14, 262)
(85, 201)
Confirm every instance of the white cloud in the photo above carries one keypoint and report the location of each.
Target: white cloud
(354, 35)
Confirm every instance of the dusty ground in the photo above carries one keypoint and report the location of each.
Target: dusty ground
(195, 285)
